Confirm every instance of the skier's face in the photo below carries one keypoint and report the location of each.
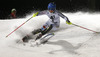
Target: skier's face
(51, 11)
(14, 12)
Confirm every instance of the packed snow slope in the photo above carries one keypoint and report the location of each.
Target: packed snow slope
(69, 40)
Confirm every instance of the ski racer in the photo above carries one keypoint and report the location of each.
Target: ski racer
(53, 22)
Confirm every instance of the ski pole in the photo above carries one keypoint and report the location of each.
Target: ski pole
(84, 28)
(22, 24)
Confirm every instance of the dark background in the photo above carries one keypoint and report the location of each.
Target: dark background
(24, 7)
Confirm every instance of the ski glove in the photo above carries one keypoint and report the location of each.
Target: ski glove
(35, 14)
(68, 22)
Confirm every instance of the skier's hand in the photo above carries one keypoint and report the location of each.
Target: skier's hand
(35, 14)
(68, 22)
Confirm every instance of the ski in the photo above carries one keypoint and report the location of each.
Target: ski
(42, 40)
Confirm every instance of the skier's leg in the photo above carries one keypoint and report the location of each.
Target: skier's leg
(43, 32)
(55, 27)
(27, 37)
(36, 31)
(47, 37)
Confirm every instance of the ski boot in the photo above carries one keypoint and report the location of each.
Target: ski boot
(26, 38)
(38, 37)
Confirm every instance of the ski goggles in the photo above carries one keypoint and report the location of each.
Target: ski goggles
(51, 9)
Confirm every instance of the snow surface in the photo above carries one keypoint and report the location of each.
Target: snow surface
(69, 40)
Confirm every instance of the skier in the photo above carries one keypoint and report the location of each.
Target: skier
(13, 13)
(52, 24)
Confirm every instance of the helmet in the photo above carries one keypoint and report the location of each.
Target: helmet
(13, 10)
(51, 6)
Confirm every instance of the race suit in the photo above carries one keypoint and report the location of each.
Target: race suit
(54, 20)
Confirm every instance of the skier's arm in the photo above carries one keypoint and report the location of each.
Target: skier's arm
(39, 13)
(42, 13)
(64, 17)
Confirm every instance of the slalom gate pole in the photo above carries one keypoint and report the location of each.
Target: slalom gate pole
(84, 28)
(19, 26)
